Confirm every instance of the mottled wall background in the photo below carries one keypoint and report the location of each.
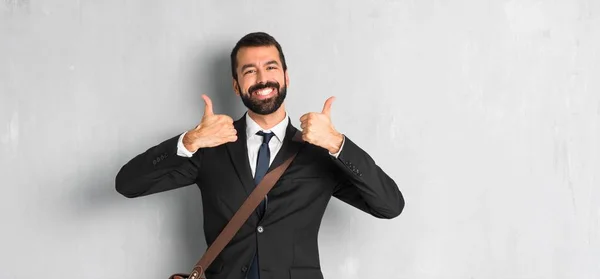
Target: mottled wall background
(486, 113)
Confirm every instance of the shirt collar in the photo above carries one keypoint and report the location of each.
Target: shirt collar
(279, 130)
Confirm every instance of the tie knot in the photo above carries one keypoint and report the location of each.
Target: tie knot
(266, 136)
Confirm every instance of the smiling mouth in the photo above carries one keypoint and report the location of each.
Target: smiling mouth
(264, 93)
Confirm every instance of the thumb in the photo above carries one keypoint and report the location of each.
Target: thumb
(327, 106)
(208, 108)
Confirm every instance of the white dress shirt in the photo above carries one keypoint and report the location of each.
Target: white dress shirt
(253, 141)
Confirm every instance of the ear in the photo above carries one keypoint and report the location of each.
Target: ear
(287, 78)
(236, 86)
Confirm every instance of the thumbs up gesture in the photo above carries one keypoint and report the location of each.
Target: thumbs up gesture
(213, 130)
(317, 129)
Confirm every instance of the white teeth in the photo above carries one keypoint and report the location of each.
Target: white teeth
(265, 91)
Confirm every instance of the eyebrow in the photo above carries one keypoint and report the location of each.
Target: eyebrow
(254, 65)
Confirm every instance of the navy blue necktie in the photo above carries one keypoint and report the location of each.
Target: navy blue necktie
(262, 165)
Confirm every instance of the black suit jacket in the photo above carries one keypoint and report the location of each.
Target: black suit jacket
(287, 242)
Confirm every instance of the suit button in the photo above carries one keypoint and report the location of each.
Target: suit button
(244, 268)
(260, 229)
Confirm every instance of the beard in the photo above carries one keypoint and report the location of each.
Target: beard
(266, 106)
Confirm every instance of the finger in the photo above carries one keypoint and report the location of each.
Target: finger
(305, 138)
(327, 106)
(230, 132)
(225, 129)
(226, 119)
(304, 117)
(232, 138)
(229, 128)
(208, 107)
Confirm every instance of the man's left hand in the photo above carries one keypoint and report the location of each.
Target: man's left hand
(317, 129)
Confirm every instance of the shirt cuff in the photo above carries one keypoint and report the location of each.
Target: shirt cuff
(181, 150)
(339, 151)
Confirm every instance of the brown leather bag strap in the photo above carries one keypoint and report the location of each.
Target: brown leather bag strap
(238, 219)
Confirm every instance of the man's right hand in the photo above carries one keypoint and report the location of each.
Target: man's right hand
(213, 130)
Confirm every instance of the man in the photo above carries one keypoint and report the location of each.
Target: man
(227, 159)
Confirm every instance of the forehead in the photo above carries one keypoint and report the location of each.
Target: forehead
(257, 55)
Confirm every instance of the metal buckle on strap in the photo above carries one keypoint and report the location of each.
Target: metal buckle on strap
(197, 274)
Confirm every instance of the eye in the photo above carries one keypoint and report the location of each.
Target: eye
(271, 68)
(249, 72)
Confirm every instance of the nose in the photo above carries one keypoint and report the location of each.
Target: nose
(261, 76)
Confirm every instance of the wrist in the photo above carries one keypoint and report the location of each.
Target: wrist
(188, 142)
(336, 143)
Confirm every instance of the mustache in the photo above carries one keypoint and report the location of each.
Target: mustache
(260, 86)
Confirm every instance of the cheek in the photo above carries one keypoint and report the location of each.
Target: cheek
(276, 76)
(244, 85)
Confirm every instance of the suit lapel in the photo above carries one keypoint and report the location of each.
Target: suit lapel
(238, 153)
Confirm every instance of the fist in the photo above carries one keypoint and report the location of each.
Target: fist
(213, 130)
(318, 130)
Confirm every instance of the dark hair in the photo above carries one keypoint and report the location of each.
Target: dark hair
(254, 40)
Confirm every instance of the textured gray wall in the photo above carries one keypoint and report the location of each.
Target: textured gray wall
(486, 113)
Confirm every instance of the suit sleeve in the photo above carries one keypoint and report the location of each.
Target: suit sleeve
(158, 169)
(364, 185)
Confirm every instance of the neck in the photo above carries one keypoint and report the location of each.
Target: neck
(270, 120)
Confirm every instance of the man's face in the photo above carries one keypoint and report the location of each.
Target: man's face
(261, 82)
